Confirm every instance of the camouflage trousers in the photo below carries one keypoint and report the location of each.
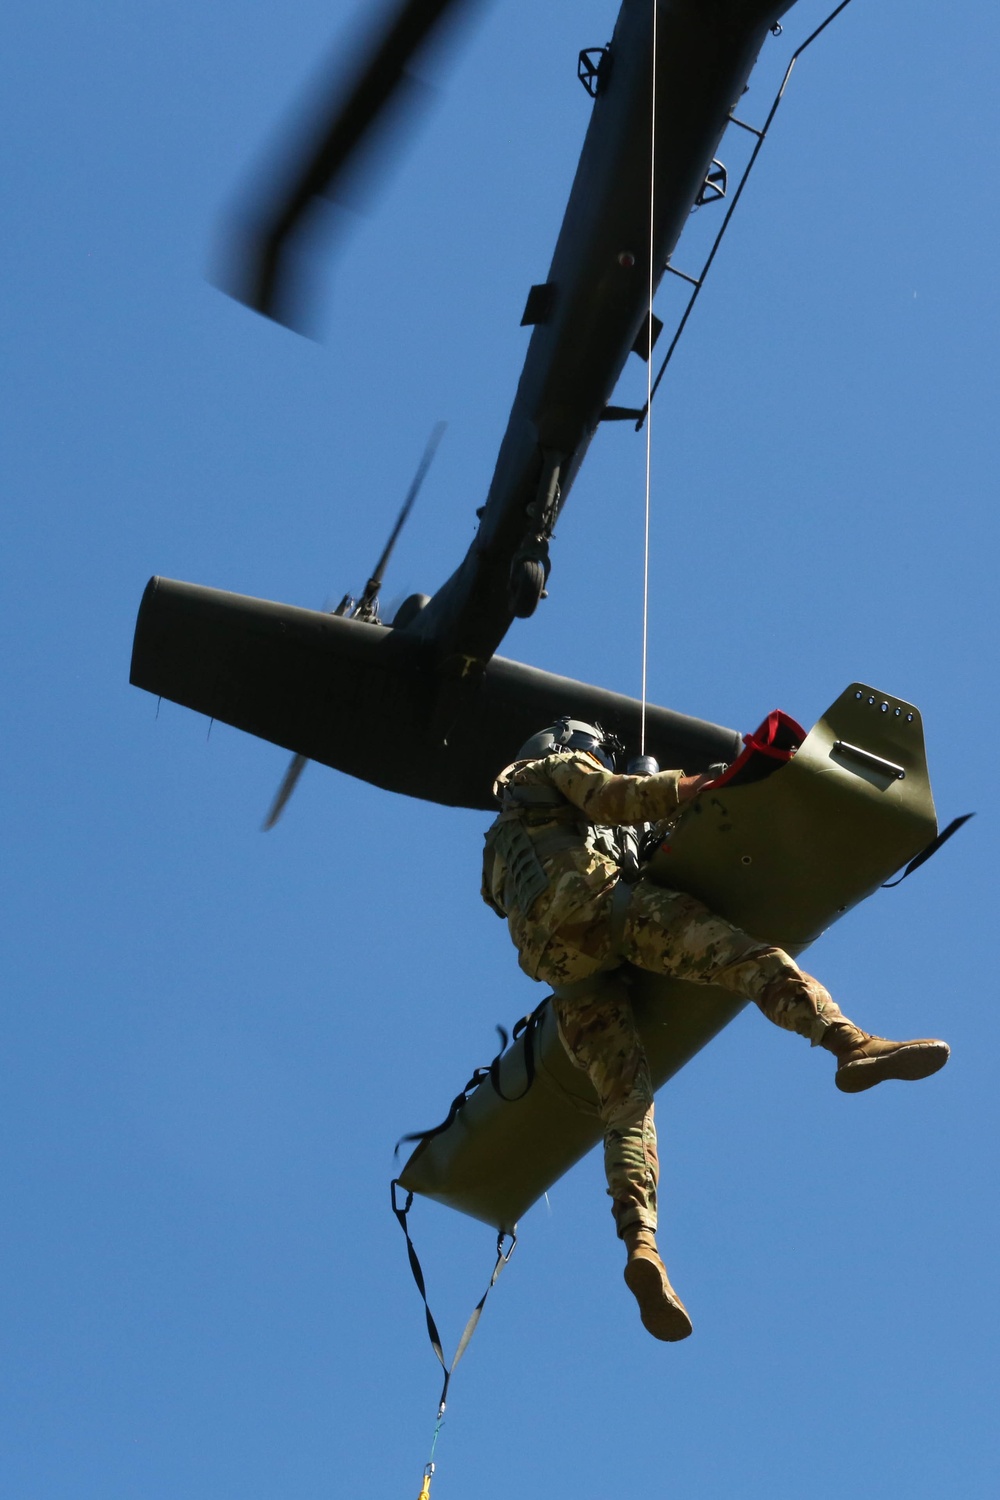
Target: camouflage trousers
(668, 932)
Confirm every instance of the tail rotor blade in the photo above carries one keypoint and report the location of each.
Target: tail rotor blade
(298, 763)
(289, 782)
(375, 581)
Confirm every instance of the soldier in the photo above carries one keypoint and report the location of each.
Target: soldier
(553, 868)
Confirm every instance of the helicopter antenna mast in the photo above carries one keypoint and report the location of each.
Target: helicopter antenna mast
(649, 384)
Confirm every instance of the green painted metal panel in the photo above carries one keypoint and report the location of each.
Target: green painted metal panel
(785, 857)
(782, 858)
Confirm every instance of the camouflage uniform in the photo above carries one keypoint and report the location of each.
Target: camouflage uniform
(566, 934)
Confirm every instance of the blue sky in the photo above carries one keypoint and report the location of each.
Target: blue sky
(213, 1037)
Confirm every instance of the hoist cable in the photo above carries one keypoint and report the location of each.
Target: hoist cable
(649, 378)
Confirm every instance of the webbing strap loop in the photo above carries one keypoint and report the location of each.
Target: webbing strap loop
(932, 848)
(503, 1256)
(527, 1027)
(620, 898)
(456, 1105)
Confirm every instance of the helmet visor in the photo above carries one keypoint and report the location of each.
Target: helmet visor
(603, 752)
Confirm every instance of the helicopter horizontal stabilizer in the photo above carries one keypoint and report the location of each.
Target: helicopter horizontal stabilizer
(350, 694)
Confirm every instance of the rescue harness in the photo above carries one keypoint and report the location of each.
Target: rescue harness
(561, 827)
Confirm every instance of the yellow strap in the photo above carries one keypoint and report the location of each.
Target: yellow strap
(425, 1489)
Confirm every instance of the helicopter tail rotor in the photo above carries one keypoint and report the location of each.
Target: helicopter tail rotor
(366, 610)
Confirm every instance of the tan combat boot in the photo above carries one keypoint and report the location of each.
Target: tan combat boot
(662, 1311)
(863, 1060)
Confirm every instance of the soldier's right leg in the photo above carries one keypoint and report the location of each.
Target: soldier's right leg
(630, 1160)
(670, 932)
(598, 1032)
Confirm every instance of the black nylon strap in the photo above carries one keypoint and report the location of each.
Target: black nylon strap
(432, 1332)
(526, 1027)
(535, 796)
(456, 1104)
(932, 848)
(621, 897)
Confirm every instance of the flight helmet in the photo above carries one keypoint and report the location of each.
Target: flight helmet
(572, 734)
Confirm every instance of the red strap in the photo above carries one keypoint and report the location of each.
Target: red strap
(771, 744)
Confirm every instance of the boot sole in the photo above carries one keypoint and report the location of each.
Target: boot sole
(908, 1063)
(662, 1312)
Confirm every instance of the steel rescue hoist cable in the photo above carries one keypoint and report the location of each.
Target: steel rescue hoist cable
(503, 1256)
(697, 282)
(650, 339)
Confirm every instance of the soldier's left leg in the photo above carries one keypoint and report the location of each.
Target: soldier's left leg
(670, 932)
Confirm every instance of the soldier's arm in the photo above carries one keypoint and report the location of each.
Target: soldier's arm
(606, 798)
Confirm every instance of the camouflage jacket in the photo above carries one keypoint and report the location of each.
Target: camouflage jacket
(563, 933)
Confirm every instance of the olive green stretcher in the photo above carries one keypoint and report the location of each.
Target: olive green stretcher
(781, 858)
